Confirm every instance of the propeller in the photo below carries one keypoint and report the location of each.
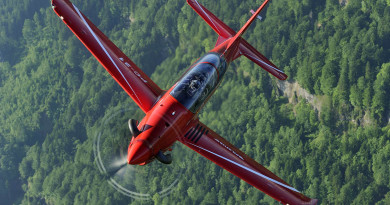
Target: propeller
(110, 150)
(133, 128)
(117, 167)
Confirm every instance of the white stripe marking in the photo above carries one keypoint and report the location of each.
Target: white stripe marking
(104, 49)
(246, 168)
(265, 63)
(207, 16)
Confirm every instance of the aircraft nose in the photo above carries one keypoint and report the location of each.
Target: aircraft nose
(138, 153)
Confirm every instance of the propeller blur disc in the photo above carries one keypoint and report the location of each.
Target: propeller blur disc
(138, 182)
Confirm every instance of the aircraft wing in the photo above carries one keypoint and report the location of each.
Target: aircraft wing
(206, 142)
(135, 82)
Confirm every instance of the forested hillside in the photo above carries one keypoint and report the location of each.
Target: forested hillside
(54, 96)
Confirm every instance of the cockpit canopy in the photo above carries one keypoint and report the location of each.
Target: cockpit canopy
(199, 82)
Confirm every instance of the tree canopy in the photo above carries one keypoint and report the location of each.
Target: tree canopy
(54, 96)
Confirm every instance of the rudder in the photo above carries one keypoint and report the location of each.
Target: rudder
(234, 40)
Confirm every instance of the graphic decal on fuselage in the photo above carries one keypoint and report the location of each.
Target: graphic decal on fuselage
(199, 82)
(194, 134)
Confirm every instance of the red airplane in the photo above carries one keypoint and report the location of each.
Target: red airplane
(172, 115)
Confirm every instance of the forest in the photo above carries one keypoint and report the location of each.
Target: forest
(54, 97)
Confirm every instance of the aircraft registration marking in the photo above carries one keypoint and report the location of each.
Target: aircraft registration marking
(228, 148)
(134, 71)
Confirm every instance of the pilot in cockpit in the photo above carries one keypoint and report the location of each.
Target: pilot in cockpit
(195, 83)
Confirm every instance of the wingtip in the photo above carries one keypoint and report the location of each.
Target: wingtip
(281, 76)
(313, 201)
(284, 77)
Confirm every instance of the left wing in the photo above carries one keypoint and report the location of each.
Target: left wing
(135, 82)
(206, 142)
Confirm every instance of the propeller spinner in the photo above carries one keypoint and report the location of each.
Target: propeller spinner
(139, 151)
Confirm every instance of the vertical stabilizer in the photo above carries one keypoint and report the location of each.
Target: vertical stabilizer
(253, 18)
(233, 44)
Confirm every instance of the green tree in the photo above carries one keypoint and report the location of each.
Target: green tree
(329, 77)
(381, 90)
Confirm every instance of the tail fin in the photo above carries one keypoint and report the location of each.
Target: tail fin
(252, 54)
(253, 18)
(233, 39)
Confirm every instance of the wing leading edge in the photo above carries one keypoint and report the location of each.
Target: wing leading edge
(131, 78)
(209, 144)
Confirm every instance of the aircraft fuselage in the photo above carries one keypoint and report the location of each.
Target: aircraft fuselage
(175, 110)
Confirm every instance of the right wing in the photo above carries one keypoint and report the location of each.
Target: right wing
(135, 82)
(209, 144)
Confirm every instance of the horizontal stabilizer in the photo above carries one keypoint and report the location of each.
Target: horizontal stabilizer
(252, 54)
(217, 25)
(224, 31)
